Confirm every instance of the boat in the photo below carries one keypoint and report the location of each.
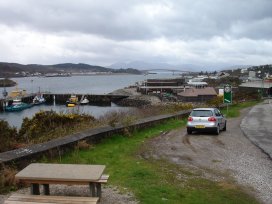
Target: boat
(38, 99)
(72, 101)
(85, 101)
(17, 105)
(17, 93)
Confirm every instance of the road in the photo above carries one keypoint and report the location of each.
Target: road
(257, 126)
(231, 155)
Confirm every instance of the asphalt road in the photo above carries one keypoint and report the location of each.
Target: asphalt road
(257, 126)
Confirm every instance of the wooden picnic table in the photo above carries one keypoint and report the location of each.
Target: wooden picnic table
(71, 174)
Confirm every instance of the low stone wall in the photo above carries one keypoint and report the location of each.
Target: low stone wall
(23, 156)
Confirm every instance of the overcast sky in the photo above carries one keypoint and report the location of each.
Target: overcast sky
(102, 32)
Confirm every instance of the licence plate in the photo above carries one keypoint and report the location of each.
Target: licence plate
(199, 126)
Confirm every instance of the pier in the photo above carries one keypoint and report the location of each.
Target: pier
(60, 99)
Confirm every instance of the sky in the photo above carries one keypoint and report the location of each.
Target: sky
(202, 32)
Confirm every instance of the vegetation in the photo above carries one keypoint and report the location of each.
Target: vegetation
(233, 81)
(234, 110)
(8, 136)
(47, 125)
(154, 181)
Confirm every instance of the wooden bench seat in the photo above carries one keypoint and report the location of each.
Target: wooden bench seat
(40, 199)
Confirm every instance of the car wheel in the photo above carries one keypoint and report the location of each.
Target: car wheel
(189, 132)
(217, 131)
(225, 127)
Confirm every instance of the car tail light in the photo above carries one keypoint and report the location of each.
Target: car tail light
(212, 119)
(190, 119)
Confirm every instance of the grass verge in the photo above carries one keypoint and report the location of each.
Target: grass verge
(234, 110)
(154, 181)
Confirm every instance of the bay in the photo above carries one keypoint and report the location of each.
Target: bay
(94, 84)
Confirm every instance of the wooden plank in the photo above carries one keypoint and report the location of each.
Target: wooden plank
(19, 198)
(103, 179)
(56, 182)
(61, 172)
(21, 202)
(54, 197)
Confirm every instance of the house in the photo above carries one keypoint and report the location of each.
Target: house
(197, 94)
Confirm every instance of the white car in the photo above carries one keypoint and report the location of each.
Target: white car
(206, 120)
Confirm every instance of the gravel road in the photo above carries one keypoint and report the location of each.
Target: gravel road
(230, 155)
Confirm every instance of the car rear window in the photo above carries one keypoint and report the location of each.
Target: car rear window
(201, 113)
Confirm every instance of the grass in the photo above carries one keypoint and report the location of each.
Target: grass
(155, 181)
(234, 110)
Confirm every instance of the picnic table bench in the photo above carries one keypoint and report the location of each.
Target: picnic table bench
(41, 199)
(37, 174)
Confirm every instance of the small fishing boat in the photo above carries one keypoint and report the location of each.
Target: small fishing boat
(72, 101)
(17, 105)
(85, 101)
(38, 99)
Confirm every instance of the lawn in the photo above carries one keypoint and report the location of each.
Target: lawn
(155, 181)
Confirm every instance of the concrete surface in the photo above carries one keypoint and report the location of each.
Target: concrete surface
(257, 126)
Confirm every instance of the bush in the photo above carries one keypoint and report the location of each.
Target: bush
(215, 102)
(8, 136)
(46, 125)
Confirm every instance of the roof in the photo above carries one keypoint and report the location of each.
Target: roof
(198, 92)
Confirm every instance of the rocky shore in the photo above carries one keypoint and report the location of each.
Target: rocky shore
(135, 98)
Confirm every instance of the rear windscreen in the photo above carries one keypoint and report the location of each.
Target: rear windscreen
(201, 113)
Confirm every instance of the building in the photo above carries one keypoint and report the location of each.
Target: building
(159, 86)
(197, 94)
(262, 87)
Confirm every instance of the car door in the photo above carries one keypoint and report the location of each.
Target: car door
(219, 118)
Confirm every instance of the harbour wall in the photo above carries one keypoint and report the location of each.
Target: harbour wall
(56, 148)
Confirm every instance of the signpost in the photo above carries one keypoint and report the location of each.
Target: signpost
(227, 96)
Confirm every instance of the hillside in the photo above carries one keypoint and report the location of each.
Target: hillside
(19, 70)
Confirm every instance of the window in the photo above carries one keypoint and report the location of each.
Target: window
(201, 113)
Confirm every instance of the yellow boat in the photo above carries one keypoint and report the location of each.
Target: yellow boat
(72, 101)
(17, 93)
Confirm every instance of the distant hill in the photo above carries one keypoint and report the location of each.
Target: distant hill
(155, 65)
(15, 69)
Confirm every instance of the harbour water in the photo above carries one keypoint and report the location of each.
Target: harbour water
(97, 84)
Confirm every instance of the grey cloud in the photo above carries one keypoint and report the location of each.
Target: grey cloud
(127, 20)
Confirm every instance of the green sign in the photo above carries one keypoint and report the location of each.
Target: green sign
(227, 94)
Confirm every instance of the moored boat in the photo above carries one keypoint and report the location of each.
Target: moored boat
(38, 99)
(72, 101)
(17, 105)
(85, 101)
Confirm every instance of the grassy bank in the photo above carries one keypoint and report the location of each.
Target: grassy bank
(154, 181)
(234, 110)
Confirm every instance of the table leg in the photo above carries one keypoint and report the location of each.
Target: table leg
(35, 189)
(46, 189)
(98, 188)
(92, 189)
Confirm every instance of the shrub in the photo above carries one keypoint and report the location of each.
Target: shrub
(46, 125)
(8, 136)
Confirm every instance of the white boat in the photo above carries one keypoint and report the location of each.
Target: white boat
(38, 99)
(85, 101)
